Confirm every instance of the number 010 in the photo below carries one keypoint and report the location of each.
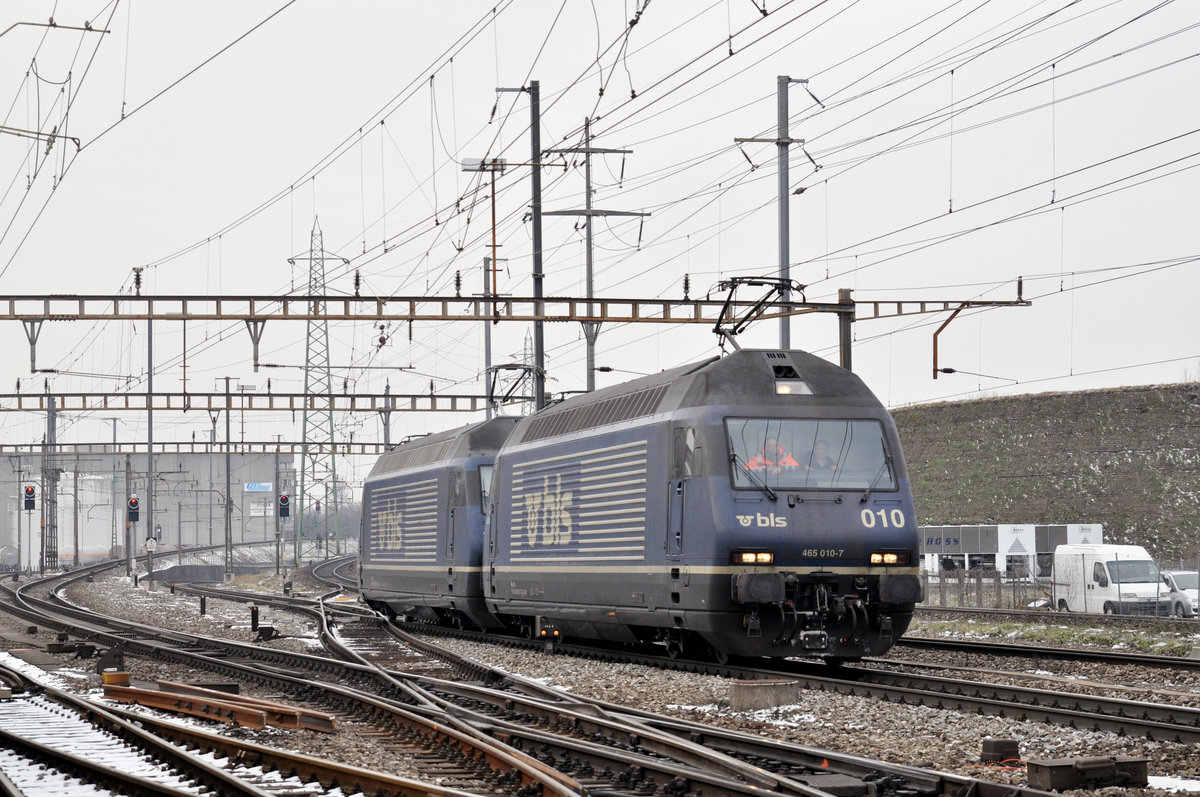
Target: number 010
(895, 516)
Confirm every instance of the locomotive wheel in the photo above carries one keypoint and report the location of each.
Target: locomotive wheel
(719, 656)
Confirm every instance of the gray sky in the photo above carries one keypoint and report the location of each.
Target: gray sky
(1062, 135)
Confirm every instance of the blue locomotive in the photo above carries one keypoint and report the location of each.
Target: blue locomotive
(755, 504)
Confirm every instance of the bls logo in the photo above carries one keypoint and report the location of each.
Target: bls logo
(771, 521)
(547, 515)
(391, 526)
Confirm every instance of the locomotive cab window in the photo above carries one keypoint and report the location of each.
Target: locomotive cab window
(685, 452)
(485, 486)
(809, 454)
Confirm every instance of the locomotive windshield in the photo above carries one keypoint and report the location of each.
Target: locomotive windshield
(799, 454)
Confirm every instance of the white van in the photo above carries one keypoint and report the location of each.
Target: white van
(1113, 579)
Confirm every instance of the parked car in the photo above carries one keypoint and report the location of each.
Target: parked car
(1185, 591)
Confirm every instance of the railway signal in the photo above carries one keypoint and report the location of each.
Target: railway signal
(285, 506)
(134, 506)
(29, 493)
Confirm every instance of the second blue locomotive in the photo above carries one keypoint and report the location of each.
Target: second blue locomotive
(755, 504)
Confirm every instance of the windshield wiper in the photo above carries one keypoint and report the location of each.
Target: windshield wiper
(758, 482)
(887, 465)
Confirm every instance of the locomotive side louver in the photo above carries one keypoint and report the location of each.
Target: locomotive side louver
(599, 413)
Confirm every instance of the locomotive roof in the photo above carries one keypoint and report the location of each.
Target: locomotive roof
(745, 377)
(484, 437)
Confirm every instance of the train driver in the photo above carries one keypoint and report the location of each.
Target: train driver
(772, 458)
(821, 461)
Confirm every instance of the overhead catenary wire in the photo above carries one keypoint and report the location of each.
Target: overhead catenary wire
(398, 242)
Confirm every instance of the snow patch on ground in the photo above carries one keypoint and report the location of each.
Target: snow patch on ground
(53, 680)
(1167, 783)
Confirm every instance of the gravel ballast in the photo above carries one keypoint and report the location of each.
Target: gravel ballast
(939, 739)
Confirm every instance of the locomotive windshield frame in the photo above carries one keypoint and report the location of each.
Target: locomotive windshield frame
(856, 454)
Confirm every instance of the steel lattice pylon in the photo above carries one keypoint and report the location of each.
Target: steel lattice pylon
(317, 462)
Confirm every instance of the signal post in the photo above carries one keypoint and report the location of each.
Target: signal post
(285, 510)
(30, 492)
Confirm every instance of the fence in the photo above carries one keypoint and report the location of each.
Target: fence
(980, 588)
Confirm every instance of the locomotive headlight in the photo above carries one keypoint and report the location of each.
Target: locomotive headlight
(792, 387)
(753, 557)
(889, 558)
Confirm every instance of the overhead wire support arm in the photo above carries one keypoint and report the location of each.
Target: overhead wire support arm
(33, 328)
(87, 27)
(38, 135)
(898, 308)
(255, 327)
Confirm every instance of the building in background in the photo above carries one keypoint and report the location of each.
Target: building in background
(187, 503)
(1008, 547)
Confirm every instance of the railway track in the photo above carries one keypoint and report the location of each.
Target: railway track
(1028, 651)
(593, 746)
(451, 752)
(600, 752)
(115, 744)
(792, 767)
(1186, 624)
(60, 743)
(1087, 712)
(601, 748)
(337, 573)
(569, 752)
(1090, 712)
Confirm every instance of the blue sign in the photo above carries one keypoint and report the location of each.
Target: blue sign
(258, 487)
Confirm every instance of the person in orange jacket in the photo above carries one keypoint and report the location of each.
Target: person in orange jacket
(772, 458)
